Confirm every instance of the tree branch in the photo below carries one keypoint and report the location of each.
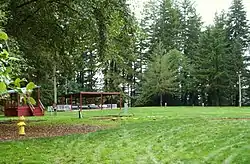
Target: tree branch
(64, 4)
(26, 3)
(36, 11)
(29, 16)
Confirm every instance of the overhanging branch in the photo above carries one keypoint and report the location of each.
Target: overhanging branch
(26, 3)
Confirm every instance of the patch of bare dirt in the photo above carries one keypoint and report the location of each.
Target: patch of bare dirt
(15, 121)
(10, 131)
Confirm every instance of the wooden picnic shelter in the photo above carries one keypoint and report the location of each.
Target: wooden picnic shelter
(81, 95)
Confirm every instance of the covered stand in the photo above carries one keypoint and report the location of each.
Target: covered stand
(82, 96)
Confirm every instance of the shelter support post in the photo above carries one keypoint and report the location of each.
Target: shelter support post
(111, 101)
(71, 102)
(80, 102)
(75, 100)
(101, 101)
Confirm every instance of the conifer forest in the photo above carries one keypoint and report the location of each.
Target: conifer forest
(168, 56)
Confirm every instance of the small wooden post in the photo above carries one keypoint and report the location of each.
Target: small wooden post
(80, 102)
(101, 100)
(75, 101)
(111, 101)
(71, 102)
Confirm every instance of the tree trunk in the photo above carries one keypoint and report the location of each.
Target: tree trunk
(184, 99)
(161, 100)
(55, 89)
(217, 97)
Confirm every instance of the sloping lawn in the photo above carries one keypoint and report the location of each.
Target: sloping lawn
(153, 135)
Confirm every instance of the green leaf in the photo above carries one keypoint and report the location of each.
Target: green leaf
(3, 35)
(14, 59)
(2, 87)
(4, 54)
(30, 86)
(8, 70)
(18, 90)
(32, 100)
(17, 82)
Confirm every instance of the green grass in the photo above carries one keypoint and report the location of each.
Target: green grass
(153, 135)
(69, 118)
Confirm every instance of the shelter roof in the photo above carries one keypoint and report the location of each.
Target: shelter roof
(90, 94)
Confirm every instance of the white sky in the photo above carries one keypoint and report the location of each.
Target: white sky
(206, 8)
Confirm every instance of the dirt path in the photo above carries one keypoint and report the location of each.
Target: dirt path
(10, 131)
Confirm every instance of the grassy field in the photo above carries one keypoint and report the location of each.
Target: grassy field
(154, 135)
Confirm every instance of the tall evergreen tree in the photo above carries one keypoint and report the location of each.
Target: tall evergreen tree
(160, 76)
(167, 28)
(190, 31)
(143, 43)
(238, 36)
(213, 64)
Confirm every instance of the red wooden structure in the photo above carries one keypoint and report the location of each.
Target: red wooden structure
(81, 95)
(14, 107)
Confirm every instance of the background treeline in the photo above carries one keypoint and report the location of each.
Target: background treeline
(98, 45)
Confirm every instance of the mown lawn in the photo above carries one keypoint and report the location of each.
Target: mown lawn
(153, 135)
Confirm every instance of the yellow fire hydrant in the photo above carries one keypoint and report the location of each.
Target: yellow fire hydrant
(21, 126)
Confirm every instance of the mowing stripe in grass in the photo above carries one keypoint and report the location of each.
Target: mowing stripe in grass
(174, 135)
